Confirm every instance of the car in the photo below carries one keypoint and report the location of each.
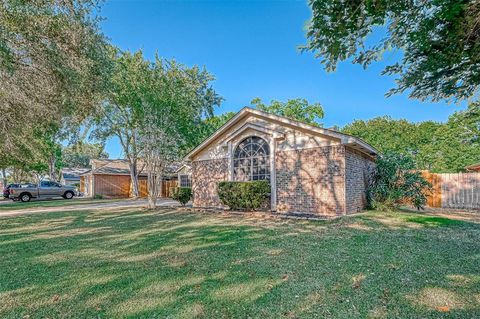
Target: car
(46, 189)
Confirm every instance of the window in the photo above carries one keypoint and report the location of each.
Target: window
(251, 160)
(185, 181)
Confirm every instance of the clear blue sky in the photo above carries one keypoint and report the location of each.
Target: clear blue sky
(252, 49)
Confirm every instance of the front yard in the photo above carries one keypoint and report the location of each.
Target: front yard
(167, 263)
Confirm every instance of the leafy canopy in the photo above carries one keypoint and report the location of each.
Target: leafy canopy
(53, 68)
(438, 42)
(295, 109)
(439, 147)
(79, 155)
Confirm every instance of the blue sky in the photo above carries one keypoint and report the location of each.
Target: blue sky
(252, 49)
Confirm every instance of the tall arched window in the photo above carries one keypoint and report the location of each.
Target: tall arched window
(251, 160)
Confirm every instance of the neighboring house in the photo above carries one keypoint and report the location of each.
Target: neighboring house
(311, 170)
(110, 178)
(473, 168)
(184, 176)
(71, 176)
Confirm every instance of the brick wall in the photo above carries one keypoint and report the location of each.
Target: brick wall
(358, 168)
(311, 180)
(205, 176)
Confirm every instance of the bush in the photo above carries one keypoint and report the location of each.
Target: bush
(396, 181)
(181, 194)
(244, 195)
(98, 196)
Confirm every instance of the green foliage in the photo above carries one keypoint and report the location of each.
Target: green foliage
(244, 195)
(437, 42)
(97, 196)
(208, 126)
(295, 109)
(79, 155)
(396, 181)
(53, 68)
(439, 147)
(181, 194)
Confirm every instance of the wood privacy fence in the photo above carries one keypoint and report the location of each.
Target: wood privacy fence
(454, 190)
(166, 187)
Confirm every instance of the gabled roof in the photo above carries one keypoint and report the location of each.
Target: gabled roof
(344, 138)
(120, 167)
(73, 173)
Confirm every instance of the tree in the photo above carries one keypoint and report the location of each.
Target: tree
(120, 113)
(78, 155)
(209, 125)
(52, 67)
(177, 99)
(295, 109)
(175, 95)
(438, 147)
(396, 181)
(439, 42)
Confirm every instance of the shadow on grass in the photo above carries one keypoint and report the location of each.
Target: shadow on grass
(141, 263)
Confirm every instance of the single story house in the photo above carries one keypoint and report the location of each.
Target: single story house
(311, 170)
(110, 178)
(71, 176)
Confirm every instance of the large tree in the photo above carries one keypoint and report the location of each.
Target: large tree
(78, 155)
(296, 109)
(138, 88)
(53, 66)
(438, 42)
(439, 147)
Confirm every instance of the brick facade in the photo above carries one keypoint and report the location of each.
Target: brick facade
(205, 177)
(311, 180)
(327, 181)
(358, 170)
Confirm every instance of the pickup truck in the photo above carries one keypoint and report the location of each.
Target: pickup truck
(46, 189)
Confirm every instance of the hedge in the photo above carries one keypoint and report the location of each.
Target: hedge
(181, 194)
(244, 195)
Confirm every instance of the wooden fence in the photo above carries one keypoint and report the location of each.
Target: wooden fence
(454, 190)
(166, 186)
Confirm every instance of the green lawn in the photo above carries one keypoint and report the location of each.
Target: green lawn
(167, 263)
(51, 203)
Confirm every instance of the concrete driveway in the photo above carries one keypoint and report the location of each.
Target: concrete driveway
(107, 205)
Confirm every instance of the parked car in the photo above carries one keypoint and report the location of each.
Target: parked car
(6, 189)
(46, 189)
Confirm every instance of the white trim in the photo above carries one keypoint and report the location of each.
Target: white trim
(344, 138)
(253, 127)
(273, 176)
(230, 161)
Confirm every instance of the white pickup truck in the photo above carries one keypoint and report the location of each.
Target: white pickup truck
(46, 189)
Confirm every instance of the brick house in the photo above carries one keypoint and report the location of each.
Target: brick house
(311, 170)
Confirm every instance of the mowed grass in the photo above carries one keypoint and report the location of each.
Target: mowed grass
(34, 203)
(179, 264)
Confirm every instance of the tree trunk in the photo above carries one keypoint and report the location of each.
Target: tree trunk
(4, 177)
(52, 169)
(134, 178)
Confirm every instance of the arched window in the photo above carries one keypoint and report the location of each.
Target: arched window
(251, 160)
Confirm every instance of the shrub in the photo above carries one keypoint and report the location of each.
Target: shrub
(396, 181)
(98, 196)
(244, 195)
(181, 194)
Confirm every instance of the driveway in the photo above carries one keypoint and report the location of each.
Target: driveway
(129, 203)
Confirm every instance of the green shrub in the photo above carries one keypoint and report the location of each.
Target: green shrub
(395, 181)
(98, 196)
(181, 194)
(244, 195)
